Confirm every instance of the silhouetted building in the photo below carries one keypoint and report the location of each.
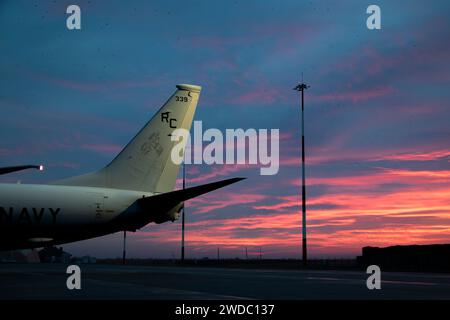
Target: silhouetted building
(22, 256)
(84, 260)
(434, 257)
(54, 255)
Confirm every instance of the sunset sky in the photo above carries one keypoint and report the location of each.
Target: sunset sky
(377, 114)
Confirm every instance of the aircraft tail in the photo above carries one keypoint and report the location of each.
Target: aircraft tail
(145, 163)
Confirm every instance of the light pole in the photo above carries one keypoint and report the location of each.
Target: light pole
(124, 253)
(302, 87)
(182, 215)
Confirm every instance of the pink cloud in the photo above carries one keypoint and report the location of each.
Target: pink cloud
(417, 156)
(211, 202)
(260, 96)
(103, 148)
(216, 171)
(383, 176)
(91, 86)
(356, 96)
(8, 152)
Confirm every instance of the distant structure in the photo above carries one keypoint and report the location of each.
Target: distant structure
(84, 260)
(54, 255)
(301, 88)
(434, 257)
(21, 256)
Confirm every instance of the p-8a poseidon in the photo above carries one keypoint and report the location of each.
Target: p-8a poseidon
(135, 189)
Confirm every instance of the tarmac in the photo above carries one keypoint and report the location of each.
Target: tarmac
(48, 281)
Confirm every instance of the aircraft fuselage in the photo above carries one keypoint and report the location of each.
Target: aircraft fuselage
(38, 215)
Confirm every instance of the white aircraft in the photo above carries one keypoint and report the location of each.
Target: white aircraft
(130, 192)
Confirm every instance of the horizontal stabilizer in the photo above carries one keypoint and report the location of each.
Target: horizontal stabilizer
(164, 206)
(188, 193)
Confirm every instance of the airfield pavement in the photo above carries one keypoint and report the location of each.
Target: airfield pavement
(48, 281)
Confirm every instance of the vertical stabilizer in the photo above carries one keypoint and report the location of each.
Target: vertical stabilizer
(145, 163)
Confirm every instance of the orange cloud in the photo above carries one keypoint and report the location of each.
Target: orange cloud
(418, 156)
(353, 211)
(356, 96)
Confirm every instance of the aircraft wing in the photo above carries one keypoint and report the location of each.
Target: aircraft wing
(6, 170)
